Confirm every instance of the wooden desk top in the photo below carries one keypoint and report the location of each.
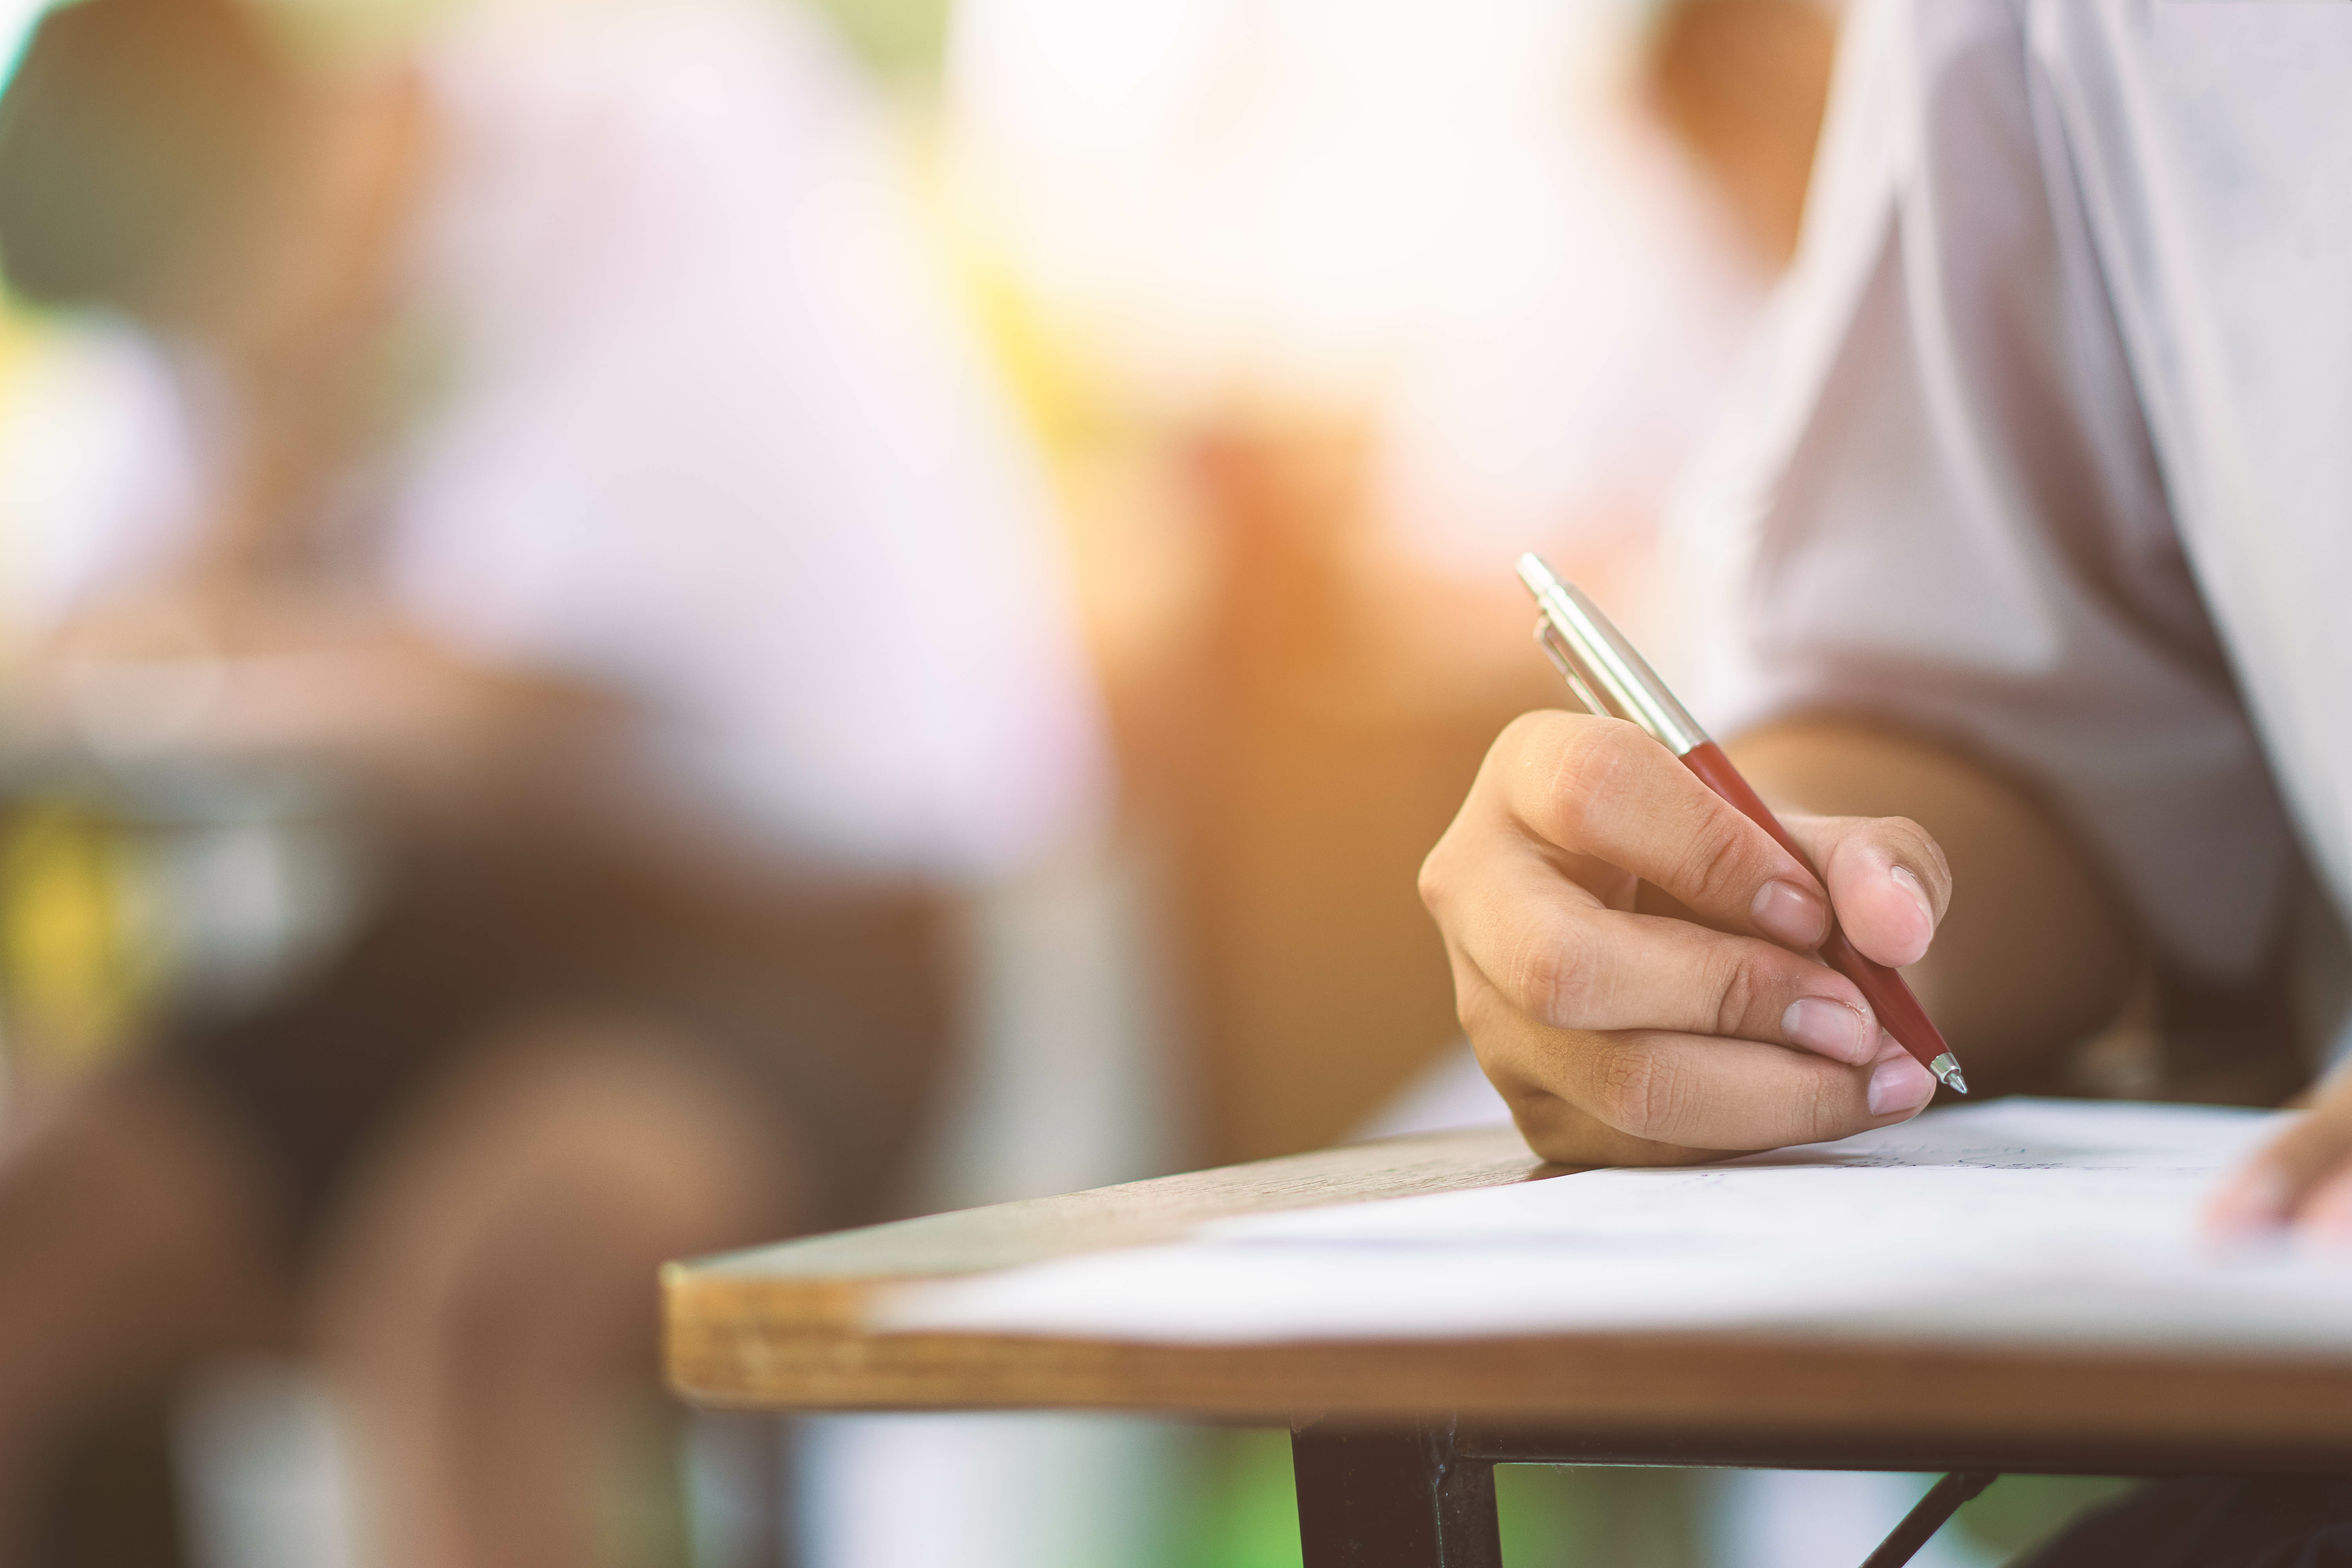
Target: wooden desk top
(779, 1328)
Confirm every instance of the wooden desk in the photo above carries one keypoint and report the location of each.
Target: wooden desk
(1395, 1444)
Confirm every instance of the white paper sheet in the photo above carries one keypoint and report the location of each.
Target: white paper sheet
(2022, 1219)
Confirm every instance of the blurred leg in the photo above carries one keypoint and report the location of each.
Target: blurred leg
(491, 1286)
(133, 1240)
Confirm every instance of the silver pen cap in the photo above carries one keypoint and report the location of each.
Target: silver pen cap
(1610, 677)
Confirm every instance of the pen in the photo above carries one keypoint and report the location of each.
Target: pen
(1612, 680)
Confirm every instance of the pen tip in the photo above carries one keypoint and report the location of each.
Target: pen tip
(1947, 1067)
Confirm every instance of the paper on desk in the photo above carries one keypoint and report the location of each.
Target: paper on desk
(2033, 1220)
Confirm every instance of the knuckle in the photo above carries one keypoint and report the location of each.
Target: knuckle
(1738, 992)
(1528, 732)
(1552, 972)
(1476, 1009)
(1829, 1106)
(1431, 882)
(1721, 863)
(1482, 806)
(1636, 1092)
(1532, 742)
(1592, 764)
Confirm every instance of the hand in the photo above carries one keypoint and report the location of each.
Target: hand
(2302, 1178)
(1630, 954)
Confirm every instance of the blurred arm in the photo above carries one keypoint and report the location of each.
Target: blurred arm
(278, 674)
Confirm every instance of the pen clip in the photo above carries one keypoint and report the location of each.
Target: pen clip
(1548, 640)
(1607, 675)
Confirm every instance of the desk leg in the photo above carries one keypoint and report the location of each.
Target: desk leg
(1393, 1499)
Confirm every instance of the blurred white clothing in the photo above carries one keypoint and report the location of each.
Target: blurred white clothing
(704, 429)
(1457, 220)
(1571, 357)
(2053, 454)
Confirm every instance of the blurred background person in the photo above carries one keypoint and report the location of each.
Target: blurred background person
(547, 502)
(1332, 310)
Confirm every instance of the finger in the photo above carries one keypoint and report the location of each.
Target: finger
(1688, 1097)
(2271, 1187)
(2326, 1212)
(1888, 878)
(2250, 1202)
(1563, 960)
(1663, 1098)
(1601, 787)
(1693, 1091)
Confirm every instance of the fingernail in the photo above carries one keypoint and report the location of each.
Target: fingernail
(1905, 880)
(2255, 1200)
(1789, 914)
(2330, 1224)
(1832, 1029)
(1899, 1083)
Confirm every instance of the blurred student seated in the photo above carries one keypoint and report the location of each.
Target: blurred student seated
(574, 471)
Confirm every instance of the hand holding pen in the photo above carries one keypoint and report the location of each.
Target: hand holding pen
(1638, 962)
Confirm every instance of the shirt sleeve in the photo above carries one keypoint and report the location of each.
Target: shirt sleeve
(1938, 505)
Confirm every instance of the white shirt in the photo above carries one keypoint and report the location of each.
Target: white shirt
(1456, 220)
(713, 437)
(2052, 454)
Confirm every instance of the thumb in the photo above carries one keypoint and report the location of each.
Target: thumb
(1888, 878)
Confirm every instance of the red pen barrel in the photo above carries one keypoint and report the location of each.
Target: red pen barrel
(1899, 1013)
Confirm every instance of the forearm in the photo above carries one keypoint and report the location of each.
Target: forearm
(2034, 952)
